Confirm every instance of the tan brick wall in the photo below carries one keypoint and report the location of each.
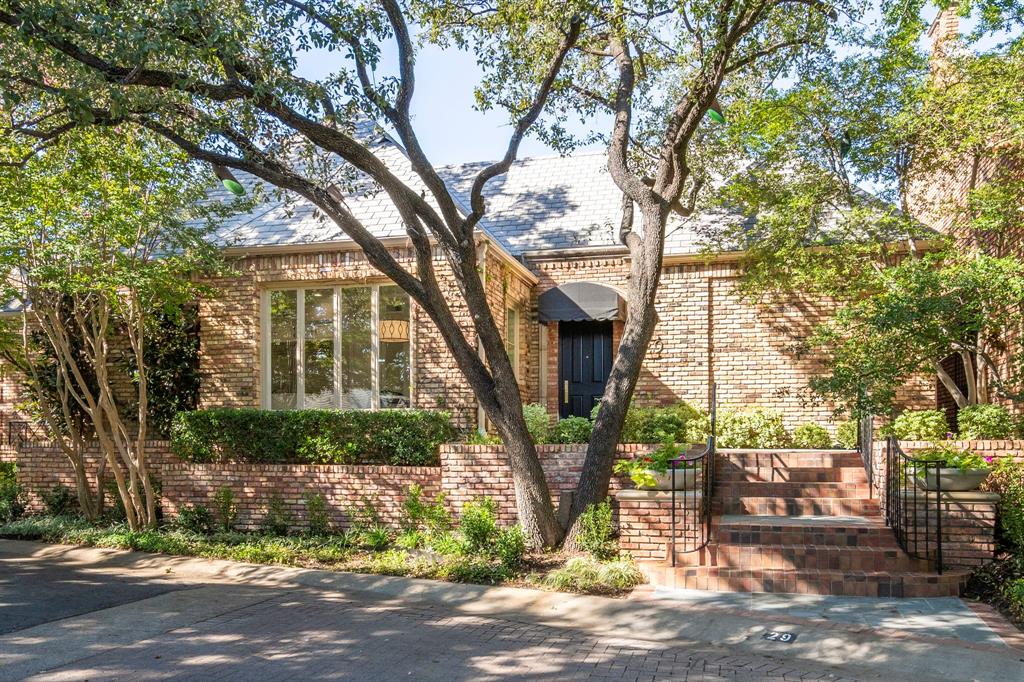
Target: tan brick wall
(472, 471)
(42, 466)
(230, 329)
(645, 522)
(706, 333)
(343, 487)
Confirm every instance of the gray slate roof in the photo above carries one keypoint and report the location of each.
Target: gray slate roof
(540, 204)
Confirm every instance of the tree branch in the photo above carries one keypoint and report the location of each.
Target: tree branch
(522, 126)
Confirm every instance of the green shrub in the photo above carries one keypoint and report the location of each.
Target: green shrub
(376, 538)
(510, 546)
(590, 576)
(811, 436)
(747, 428)
(597, 532)
(429, 517)
(226, 508)
(984, 421)
(58, 500)
(474, 437)
(317, 516)
(411, 539)
(364, 516)
(847, 434)
(572, 430)
(1014, 595)
(538, 423)
(1007, 479)
(918, 425)
(278, 518)
(479, 525)
(449, 544)
(322, 448)
(12, 504)
(395, 437)
(195, 518)
(658, 424)
(472, 570)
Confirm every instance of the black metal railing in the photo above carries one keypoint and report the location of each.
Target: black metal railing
(691, 505)
(913, 503)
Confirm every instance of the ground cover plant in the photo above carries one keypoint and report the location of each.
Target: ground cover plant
(431, 543)
(1001, 583)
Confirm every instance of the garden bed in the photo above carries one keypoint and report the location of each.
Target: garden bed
(343, 552)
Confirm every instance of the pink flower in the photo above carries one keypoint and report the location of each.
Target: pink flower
(990, 459)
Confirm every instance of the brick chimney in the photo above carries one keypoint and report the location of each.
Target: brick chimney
(944, 31)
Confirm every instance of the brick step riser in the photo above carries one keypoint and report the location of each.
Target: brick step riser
(840, 537)
(802, 475)
(774, 506)
(726, 489)
(789, 461)
(802, 558)
(838, 584)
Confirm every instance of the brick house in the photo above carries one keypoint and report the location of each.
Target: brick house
(305, 320)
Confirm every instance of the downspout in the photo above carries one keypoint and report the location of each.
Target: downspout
(481, 416)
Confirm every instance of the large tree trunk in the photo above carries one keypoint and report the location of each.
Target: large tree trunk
(641, 319)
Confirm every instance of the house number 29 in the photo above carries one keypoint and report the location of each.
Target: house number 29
(784, 637)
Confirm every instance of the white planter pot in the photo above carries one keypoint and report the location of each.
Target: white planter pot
(685, 479)
(952, 480)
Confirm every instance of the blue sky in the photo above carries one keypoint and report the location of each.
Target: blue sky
(450, 129)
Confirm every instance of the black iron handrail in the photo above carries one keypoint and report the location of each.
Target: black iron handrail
(696, 510)
(905, 511)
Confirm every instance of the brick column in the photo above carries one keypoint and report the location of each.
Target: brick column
(645, 521)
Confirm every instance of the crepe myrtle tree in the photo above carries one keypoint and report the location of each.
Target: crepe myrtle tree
(99, 234)
(218, 78)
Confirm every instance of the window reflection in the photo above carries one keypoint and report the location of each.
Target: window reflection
(342, 330)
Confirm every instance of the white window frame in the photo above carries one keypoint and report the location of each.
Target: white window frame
(300, 342)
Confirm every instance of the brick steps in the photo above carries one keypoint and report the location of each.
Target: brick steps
(797, 521)
(825, 582)
(836, 531)
(790, 506)
(801, 557)
(788, 459)
(733, 474)
(788, 489)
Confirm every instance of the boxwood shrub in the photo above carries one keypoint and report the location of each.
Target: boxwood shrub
(984, 421)
(395, 437)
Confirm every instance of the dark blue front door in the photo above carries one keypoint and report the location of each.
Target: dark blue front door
(584, 361)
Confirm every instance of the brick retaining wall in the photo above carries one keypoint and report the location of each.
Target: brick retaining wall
(42, 466)
(968, 525)
(645, 522)
(343, 487)
(471, 471)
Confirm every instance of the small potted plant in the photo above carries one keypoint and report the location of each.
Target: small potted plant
(654, 471)
(960, 470)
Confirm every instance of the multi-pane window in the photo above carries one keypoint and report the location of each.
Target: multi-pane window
(329, 347)
(512, 338)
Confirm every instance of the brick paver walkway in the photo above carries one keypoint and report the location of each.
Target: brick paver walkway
(304, 633)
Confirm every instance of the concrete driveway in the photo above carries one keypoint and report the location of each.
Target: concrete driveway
(77, 614)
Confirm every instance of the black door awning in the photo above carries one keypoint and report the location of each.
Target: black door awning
(581, 302)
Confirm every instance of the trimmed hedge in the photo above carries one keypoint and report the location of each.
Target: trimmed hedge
(393, 437)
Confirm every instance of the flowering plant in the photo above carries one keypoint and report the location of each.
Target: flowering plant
(641, 469)
(954, 458)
